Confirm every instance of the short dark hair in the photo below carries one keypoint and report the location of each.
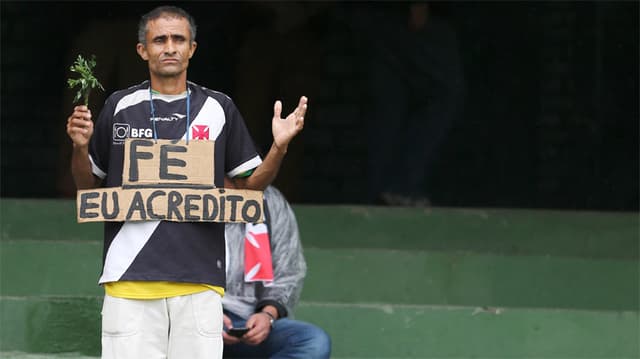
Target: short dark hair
(160, 11)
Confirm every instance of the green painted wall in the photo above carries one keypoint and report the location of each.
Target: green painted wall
(384, 282)
(61, 325)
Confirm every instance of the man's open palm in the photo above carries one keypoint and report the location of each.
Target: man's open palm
(285, 129)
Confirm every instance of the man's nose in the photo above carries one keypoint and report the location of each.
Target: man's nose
(169, 47)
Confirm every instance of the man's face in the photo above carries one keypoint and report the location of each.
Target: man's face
(169, 47)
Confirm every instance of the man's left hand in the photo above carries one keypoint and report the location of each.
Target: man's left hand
(260, 325)
(285, 129)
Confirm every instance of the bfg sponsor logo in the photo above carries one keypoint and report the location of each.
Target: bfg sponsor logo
(141, 133)
(122, 131)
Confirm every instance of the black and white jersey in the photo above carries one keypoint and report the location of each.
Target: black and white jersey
(162, 250)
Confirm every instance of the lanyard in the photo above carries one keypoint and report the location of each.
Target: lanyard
(153, 113)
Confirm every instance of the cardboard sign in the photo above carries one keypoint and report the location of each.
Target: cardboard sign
(171, 181)
(178, 205)
(167, 162)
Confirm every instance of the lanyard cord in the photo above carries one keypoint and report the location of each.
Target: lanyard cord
(153, 113)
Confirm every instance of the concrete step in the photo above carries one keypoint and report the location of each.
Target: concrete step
(496, 231)
(47, 324)
(385, 282)
(470, 279)
(398, 331)
(23, 355)
(71, 325)
(71, 268)
(55, 219)
(50, 267)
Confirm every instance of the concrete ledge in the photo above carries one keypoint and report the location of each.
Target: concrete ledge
(495, 231)
(50, 324)
(443, 278)
(72, 268)
(389, 331)
(62, 325)
(384, 282)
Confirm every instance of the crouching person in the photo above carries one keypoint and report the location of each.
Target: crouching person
(265, 275)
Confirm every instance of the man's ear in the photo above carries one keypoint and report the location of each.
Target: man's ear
(193, 48)
(142, 51)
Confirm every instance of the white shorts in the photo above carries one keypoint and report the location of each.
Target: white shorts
(188, 326)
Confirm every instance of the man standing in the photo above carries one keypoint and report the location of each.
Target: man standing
(164, 280)
(261, 296)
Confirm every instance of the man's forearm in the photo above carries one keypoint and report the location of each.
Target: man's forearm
(264, 174)
(81, 168)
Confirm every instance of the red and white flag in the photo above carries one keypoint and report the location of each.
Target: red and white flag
(257, 254)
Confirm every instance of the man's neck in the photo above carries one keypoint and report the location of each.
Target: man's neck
(169, 86)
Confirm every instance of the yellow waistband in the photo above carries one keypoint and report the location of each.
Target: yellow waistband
(156, 289)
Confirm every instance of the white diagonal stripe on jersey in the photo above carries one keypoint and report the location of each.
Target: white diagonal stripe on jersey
(131, 100)
(96, 170)
(124, 248)
(212, 115)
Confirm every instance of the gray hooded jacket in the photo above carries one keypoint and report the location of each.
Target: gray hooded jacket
(289, 267)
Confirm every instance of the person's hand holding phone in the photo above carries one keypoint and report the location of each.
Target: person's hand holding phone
(226, 337)
(256, 330)
(260, 327)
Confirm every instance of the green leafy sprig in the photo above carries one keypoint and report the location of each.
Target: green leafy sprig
(86, 81)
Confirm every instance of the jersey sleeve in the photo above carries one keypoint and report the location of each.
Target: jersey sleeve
(100, 144)
(241, 154)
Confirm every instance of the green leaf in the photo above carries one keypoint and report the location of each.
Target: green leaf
(86, 81)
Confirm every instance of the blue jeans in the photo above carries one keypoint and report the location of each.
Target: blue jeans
(288, 339)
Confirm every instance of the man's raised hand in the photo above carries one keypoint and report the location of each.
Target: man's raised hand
(285, 129)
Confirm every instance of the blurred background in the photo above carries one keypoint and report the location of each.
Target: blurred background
(475, 104)
(517, 122)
